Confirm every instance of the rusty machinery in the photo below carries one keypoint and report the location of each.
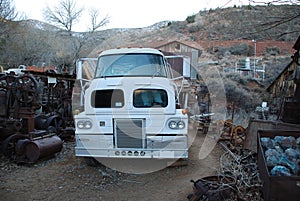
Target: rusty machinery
(234, 134)
(204, 118)
(34, 115)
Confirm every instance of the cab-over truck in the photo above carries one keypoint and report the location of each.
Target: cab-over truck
(132, 109)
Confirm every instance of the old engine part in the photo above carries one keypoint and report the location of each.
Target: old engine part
(212, 188)
(21, 149)
(34, 114)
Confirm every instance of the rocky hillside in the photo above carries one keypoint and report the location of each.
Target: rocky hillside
(223, 36)
(32, 42)
(247, 22)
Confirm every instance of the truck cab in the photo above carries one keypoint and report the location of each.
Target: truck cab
(131, 109)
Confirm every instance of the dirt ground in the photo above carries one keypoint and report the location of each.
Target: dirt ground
(67, 177)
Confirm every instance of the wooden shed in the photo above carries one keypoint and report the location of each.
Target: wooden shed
(188, 49)
(285, 90)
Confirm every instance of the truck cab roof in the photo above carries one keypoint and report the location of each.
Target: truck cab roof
(130, 50)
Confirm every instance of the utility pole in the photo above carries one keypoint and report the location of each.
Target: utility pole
(254, 63)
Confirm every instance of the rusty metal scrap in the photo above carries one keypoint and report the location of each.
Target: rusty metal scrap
(242, 166)
(212, 188)
(35, 114)
(204, 121)
(236, 179)
(235, 135)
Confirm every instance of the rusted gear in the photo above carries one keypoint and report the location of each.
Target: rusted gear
(17, 125)
(228, 123)
(59, 90)
(239, 133)
(7, 82)
(9, 145)
(53, 124)
(56, 121)
(25, 89)
(239, 130)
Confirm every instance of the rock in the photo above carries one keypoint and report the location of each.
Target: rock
(285, 142)
(267, 142)
(290, 164)
(272, 161)
(292, 154)
(280, 171)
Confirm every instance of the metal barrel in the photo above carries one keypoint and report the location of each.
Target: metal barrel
(42, 147)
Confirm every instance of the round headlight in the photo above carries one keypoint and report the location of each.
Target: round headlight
(84, 124)
(172, 124)
(180, 124)
(80, 124)
(88, 124)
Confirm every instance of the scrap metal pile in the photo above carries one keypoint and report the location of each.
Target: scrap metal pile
(234, 135)
(35, 114)
(236, 179)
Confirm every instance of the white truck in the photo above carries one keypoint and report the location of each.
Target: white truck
(17, 71)
(131, 109)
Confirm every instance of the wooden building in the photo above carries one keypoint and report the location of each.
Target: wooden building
(184, 49)
(285, 89)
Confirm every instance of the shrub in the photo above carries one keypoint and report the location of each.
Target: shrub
(237, 49)
(272, 50)
(241, 49)
(191, 19)
(244, 99)
(194, 29)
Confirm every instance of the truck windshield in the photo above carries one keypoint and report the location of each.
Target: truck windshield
(133, 64)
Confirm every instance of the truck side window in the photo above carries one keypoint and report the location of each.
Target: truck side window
(143, 98)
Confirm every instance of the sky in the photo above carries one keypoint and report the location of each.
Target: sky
(128, 13)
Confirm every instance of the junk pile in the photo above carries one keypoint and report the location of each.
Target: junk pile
(227, 131)
(236, 179)
(204, 121)
(233, 135)
(212, 188)
(35, 114)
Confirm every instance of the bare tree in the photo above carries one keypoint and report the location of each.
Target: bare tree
(278, 18)
(7, 10)
(94, 17)
(65, 14)
(294, 2)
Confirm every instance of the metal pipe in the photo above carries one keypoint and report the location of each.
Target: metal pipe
(230, 152)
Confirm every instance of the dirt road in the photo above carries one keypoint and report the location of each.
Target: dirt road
(67, 177)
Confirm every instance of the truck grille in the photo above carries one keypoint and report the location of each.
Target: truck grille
(129, 133)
